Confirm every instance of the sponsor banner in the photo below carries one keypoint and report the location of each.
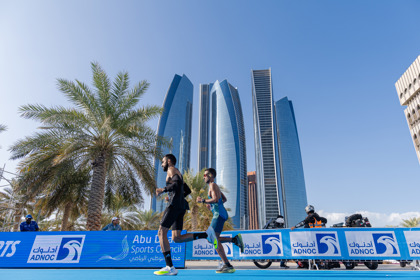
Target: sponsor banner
(262, 244)
(372, 244)
(87, 249)
(141, 249)
(413, 242)
(201, 248)
(57, 249)
(313, 243)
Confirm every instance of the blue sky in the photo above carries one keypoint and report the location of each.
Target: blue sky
(337, 61)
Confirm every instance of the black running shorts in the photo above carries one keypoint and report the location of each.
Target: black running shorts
(173, 217)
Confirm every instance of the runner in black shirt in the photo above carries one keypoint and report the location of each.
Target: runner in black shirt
(174, 215)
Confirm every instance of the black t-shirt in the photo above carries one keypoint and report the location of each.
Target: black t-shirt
(175, 188)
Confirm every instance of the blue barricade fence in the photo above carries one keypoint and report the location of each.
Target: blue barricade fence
(322, 243)
(128, 249)
(141, 249)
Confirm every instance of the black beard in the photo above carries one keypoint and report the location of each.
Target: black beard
(165, 168)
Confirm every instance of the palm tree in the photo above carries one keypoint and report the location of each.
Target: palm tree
(149, 220)
(105, 129)
(199, 217)
(15, 204)
(58, 187)
(2, 128)
(198, 188)
(410, 223)
(118, 206)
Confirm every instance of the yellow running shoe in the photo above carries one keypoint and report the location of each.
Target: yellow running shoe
(166, 271)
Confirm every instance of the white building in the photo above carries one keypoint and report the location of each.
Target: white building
(408, 88)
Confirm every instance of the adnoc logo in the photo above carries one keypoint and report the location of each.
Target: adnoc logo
(385, 243)
(271, 244)
(260, 244)
(372, 243)
(310, 243)
(327, 244)
(57, 249)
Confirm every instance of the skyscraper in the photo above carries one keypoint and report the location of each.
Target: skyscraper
(290, 159)
(222, 144)
(252, 201)
(280, 179)
(175, 126)
(266, 158)
(408, 89)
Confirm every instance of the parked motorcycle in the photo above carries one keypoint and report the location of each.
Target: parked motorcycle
(271, 224)
(357, 220)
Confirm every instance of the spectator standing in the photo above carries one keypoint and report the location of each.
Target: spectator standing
(29, 225)
(114, 225)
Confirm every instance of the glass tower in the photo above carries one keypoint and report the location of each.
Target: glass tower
(269, 190)
(175, 125)
(278, 162)
(222, 145)
(290, 159)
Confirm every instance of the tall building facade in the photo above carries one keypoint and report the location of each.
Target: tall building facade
(175, 125)
(280, 179)
(269, 190)
(252, 201)
(290, 159)
(222, 145)
(408, 89)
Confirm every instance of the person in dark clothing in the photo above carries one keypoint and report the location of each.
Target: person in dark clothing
(174, 214)
(29, 225)
(312, 220)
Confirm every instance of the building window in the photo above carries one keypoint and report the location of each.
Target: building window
(405, 91)
(409, 86)
(401, 95)
(415, 81)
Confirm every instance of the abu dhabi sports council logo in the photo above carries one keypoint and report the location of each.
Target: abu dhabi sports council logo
(385, 243)
(327, 244)
(271, 244)
(121, 256)
(57, 249)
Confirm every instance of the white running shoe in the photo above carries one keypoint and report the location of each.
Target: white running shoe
(166, 271)
(211, 237)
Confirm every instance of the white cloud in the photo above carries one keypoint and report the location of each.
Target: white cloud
(376, 219)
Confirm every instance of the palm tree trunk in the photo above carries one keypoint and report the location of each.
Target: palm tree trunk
(66, 215)
(97, 193)
(194, 217)
(17, 220)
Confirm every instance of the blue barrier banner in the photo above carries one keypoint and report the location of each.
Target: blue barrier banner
(124, 249)
(319, 243)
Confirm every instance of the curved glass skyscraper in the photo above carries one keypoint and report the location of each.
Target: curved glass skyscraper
(290, 159)
(175, 125)
(222, 145)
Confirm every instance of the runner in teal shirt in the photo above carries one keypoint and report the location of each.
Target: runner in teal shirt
(220, 216)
